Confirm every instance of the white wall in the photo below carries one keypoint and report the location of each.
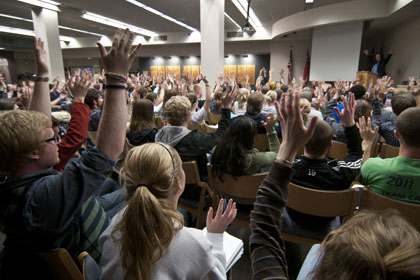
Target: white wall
(336, 51)
(280, 53)
(405, 60)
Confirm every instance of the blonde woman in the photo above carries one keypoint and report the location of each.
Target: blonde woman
(269, 107)
(147, 239)
(240, 104)
(305, 107)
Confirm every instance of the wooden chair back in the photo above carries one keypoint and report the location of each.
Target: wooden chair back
(201, 128)
(244, 187)
(90, 269)
(213, 118)
(261, 142)
(61, 264)
(375, 201)
(388, 151)
(322, 203)
(192, 176)
(319, 203)
(338, 150)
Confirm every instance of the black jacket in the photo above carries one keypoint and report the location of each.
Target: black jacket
(192, 145)
(381, 66)
(146, 135)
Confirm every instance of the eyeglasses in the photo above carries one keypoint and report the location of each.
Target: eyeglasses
(55, 138)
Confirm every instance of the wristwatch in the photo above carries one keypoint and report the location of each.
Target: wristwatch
(40, 79)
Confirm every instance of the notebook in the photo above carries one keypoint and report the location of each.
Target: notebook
(233, 248)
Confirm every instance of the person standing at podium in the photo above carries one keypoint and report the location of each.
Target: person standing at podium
(377, 63)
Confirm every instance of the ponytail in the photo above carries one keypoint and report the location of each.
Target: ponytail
(149, 221)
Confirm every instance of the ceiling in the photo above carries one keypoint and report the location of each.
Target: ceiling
(186, 11)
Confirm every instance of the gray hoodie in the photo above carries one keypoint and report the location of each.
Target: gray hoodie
(171, 135)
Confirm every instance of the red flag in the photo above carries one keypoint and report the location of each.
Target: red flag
(290, 67)
(306, 71)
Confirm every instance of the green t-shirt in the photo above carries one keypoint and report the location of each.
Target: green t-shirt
(396, 178)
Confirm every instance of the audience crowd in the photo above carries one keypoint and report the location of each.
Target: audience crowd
(96, 165)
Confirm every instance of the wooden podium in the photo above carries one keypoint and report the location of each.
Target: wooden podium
(365, 77)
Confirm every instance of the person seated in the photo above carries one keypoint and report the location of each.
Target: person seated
(314, 170)
(347, 253)
(305, 108)
(240, 104)
(94, 100)
(40, 208)
(234, 153)
(147, 239)
(141, 129)
(397, 178)
(216, 103)
(199, 115)
(399, 104)
(363, 108)
(254, 108)
(269, 107)
(192, 145)
(307, 94)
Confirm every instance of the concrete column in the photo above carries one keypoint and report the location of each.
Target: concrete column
(212, 28)
(46, 27)
(336, 51)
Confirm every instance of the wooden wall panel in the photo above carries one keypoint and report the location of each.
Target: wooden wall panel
(176, 70)
(250, 71)
(161, 71)
(226, 70)
(195, 71)
(153, 71)
(241, 73)
(232, 71)
(186, 69)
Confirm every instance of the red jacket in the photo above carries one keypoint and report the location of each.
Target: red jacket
(75, 136)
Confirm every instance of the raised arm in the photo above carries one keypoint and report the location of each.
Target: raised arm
(117, 62)
(208, 95)
(368, 135)
(266, 243)
(41, 96)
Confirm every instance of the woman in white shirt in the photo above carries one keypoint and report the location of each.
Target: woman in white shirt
(240, 104)
(147, 239)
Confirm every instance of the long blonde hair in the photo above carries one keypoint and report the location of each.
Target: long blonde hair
(371, 245)
(242, 97)
(149, 221)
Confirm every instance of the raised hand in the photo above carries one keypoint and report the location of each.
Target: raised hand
(229, 98)
(79, 87)
(347, 115)
(221, 221)
(294, 133)
(271, 120)
(41, 57)
(119, 59)
(365, 129)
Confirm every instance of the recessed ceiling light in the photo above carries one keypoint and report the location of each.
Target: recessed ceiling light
(309, 1)
(117, 24)
(48, 4)
(156, 12)
(60, 26)
(25, 32)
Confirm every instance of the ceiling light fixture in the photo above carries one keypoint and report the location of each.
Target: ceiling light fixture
(242, 6)
(62, 27)
(309, 1)
(25, 32)
(156, 12)
(116, 23)
(47, 4)
(231, 19)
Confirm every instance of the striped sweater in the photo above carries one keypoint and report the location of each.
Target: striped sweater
(266, 243)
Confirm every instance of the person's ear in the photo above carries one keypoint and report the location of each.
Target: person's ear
(34, 155)
(330, 145)
(397, 134)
